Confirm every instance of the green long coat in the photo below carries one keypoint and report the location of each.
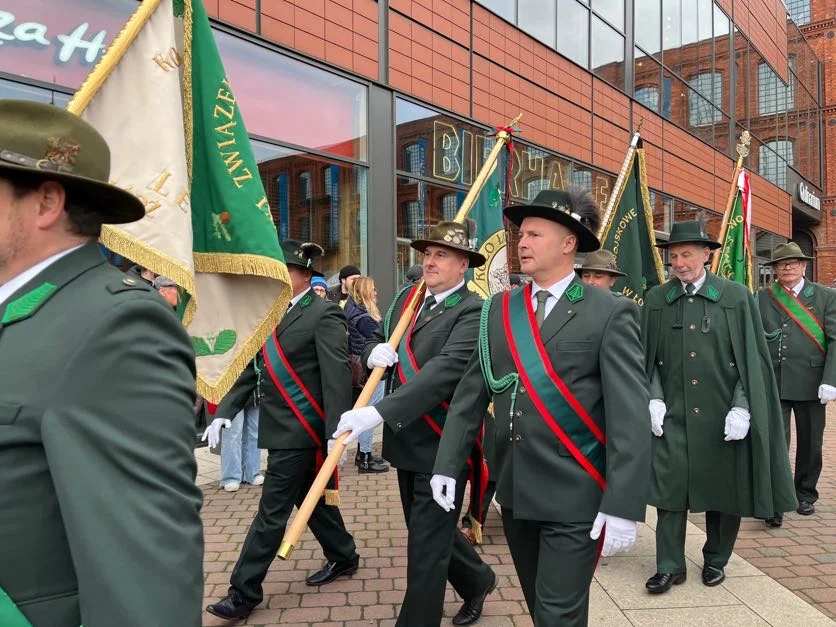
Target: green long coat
(800, 367)
(314, 338)
(99, 513)
(592, 340)
(705, 354)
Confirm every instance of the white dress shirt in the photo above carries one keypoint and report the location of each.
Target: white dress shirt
(697, 284)
(555, 291)
(797, 289)
(439, 298)
(15, 283)
(297, 298)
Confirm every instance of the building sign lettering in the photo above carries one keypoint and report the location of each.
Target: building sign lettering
(79, 42)
(806, 195)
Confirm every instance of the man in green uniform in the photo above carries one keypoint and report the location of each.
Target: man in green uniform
(96, 393)
(302, 382)
(430, 360)
(719, 445)
(599, 269)
(562, 363)
(799, 318)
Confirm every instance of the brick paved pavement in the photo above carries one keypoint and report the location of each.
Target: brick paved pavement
(801, 555)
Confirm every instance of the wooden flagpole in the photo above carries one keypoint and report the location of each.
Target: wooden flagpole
(300, 521)
(619, 182)
(742, 153)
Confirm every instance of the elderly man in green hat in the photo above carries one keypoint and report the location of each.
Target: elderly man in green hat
(302, 383)
(719, 445)
(600, 269)
(799, 318)
(96, 394)
(562, 363)
(430, 361)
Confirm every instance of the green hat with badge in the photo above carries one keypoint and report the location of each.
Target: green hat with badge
(301, 254)
(451, 235)
(786, 251)
(54, 144)
(688, 232)
(574, 208)
(600, 261)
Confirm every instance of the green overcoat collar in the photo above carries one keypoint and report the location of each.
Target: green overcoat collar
(712, 289)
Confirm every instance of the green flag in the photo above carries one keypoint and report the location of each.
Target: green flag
(161, 98)
(733, 261)
(487, 232)
(628, 232)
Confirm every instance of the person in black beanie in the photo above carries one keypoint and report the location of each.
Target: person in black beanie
(339, 293)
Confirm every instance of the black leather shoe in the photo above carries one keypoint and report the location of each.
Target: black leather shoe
(332, 571)
(368, 464)
(358, 457)
(774, 521)
(712, 575)
(471, 610)
(662, 582)
(232, 607)
(805, 508)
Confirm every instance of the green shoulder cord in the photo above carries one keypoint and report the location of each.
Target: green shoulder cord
(387, 326)
(496, 386)
(257, 378)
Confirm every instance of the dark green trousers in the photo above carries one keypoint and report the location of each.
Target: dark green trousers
(436, 552)
(809, 431)
(555, 563)
(721, 534)
(289, 475)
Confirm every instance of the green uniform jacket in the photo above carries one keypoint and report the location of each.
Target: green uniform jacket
(594, 346)
(800, 367)
(442, 345)
(99, 511)
(314, 337)
(706, 354)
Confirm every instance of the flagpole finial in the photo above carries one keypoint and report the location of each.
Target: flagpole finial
(641, 123)
(743, 147)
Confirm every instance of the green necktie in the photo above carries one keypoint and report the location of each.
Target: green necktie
(540, 314)
(690, 289)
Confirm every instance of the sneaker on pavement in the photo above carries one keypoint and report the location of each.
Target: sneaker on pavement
(232, 487)
(259, 480)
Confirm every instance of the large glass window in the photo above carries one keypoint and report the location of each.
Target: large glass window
(648, 24)
(773, 94)
(537, 18)
(506, 9)
(12, 89)
(773, 159)
(607, 53)
(610, 10)
(700, 109)
(799, 11)
(318, 200)
(573, 37)
(648, 96)
(671, 25)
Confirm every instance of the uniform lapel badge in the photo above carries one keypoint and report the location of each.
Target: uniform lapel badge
(307, 299)
(575, 293)
(28, 304)
(452, 301)
(672, 294)
(712, 293)
(808, 291)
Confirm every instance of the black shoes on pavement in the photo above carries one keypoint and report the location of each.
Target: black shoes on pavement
(233, 607)
(471, 610)
(332, 571)
(662, 582)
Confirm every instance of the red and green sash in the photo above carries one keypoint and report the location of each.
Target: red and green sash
(798, 313)
(406, 370)
(10, 615)
(303, 405)
(562, 412)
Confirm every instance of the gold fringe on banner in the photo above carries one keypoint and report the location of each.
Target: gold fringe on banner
(476, 528)
(648, 214)
(332, 497)
(186, 83)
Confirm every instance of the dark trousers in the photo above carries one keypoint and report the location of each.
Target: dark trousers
(809, 430)
(721, 534)
(555, 563)
(436, 552)
(289, 475)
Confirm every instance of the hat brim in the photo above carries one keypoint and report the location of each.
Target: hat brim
(609, 271)
(587, 240)
(786, 258)
(476, 259)
(113, 204)
(299, 265)
(705, 242)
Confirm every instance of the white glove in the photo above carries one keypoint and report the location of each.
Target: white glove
(382, 356)
(657, 416)
(619, 536)
(827, 393)
(737, 424)
(357, 421)
(343, 457)
(444, 491)
(213, 431)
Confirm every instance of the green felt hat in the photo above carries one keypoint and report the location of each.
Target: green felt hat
(600, 261)
(302, 254)
(54, 144)
(451, 235)
(573, 209)
(788, 250)
(689, 232)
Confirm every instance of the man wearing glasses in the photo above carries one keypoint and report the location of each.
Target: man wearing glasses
(799, 318)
